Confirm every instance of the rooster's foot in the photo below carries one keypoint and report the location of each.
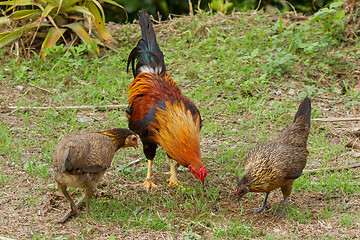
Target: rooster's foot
(148, 184)
(173, 181)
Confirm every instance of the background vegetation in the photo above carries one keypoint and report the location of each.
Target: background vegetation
(181, 7)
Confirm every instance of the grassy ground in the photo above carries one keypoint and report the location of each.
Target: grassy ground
(247, 73)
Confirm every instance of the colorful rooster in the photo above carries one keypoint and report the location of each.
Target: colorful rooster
(159, 113)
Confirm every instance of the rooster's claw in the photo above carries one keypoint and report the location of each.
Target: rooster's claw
(148, 184)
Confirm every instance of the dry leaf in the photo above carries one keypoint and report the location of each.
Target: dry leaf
(357, 87)
(353, 144)
(355, 154)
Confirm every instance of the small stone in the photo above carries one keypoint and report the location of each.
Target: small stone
(85, 119)
(214, 210)
(278, 92)
(291, 92)
(19, 87)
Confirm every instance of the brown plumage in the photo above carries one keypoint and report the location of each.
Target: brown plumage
(81, 159)
(277, 163)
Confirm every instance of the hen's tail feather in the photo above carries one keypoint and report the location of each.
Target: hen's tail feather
(147, 52)
(304, 110)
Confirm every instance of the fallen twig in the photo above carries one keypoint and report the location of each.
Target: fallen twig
(332, 169)
(42, 89)
(335, 119)
(69, 213)
(126, 165)
(134, 162)
(15, 108)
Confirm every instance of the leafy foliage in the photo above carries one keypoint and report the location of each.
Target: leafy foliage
(50, 20)
(162, 8)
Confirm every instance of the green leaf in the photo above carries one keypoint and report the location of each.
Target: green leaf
(336, 4)
(68, 4)
(80, 9)
(47, 10)
(254, 53)
(54, 2)
(25, 13)
(98, 21)
(4, 20)
(113, 3)
(340, 15)
(100, 8)
(79, 30)
(51, 38)
(12, 36)
(15, 4)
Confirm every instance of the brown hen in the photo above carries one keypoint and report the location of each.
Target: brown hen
(277, 163)
(81, 159)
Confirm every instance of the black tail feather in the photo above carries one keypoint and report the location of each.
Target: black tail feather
(304, 110)
(147, 52)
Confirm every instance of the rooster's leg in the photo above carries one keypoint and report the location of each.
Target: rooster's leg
(173, 179)
(148, 184)
(263, 205)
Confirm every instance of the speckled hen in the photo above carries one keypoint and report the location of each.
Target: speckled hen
(81, 159)
(277, 163)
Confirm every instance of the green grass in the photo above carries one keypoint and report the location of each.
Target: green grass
(246, 73)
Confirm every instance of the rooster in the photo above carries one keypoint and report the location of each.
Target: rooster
(277, 163)
(159, 113)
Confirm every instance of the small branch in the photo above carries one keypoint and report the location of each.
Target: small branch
(335, 119)
(133, 162)
(69, 213)
(42, 89)
(108, 107)
(332, 169)
(191, 11)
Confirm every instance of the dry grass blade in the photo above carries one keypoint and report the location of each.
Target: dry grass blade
(335, 119)
(332, 169)
(15, 108)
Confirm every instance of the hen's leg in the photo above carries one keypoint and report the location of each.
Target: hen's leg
(173, 179)
(72, 204)
(148, 184)
(263, 205)
(70, 212)
(283, 211)
(88, 194)
(286, 190)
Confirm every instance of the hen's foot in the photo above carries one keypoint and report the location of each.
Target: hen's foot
(261, 209)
